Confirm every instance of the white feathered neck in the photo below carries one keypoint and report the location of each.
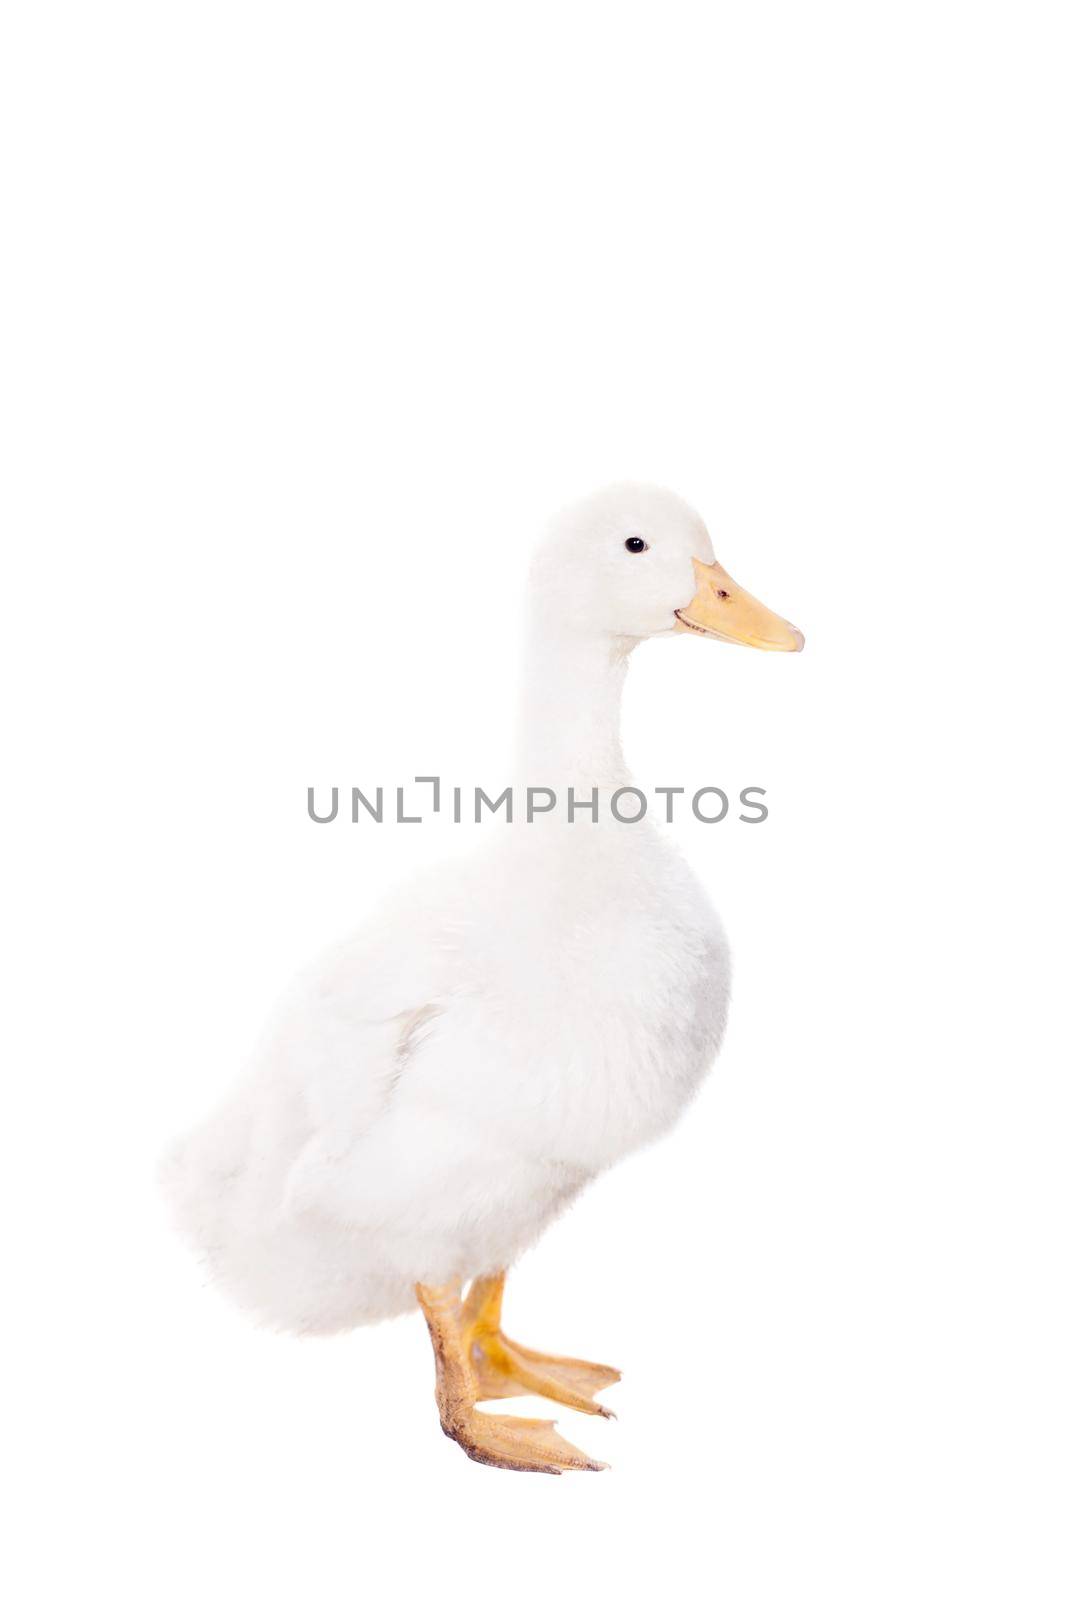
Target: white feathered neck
(570, 710)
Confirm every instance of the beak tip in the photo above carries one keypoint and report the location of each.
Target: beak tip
(798, 638)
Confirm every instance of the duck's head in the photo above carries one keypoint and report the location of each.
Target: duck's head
(634, 562)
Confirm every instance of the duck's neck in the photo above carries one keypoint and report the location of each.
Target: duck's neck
(570, 711)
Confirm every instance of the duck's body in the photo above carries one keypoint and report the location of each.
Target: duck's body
(556, 1006)
(435, 1090)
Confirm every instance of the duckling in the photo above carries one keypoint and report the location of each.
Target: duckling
(438, 1088)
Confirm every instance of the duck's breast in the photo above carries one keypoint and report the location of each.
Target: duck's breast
(590, 983)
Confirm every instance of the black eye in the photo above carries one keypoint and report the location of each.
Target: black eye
(635, 546)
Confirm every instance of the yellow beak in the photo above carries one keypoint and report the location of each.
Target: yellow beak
(721, 609)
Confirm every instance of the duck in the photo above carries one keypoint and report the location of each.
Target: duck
(435, 1090)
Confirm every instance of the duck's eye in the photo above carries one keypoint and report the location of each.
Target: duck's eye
(635, 546)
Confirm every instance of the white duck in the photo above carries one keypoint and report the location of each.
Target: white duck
(435, 1090)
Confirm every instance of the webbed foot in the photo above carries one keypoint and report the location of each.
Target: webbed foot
(503, 1367)
(476, 1361)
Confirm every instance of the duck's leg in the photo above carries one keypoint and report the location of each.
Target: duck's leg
(523, 1444)
(506, 1368)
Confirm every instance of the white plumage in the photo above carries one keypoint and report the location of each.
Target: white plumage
(434, 1091)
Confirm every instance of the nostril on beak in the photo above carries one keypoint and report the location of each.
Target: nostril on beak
(723, 594)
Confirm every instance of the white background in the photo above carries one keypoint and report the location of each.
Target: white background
(312, 313)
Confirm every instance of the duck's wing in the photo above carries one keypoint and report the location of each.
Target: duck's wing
(349, 1082)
